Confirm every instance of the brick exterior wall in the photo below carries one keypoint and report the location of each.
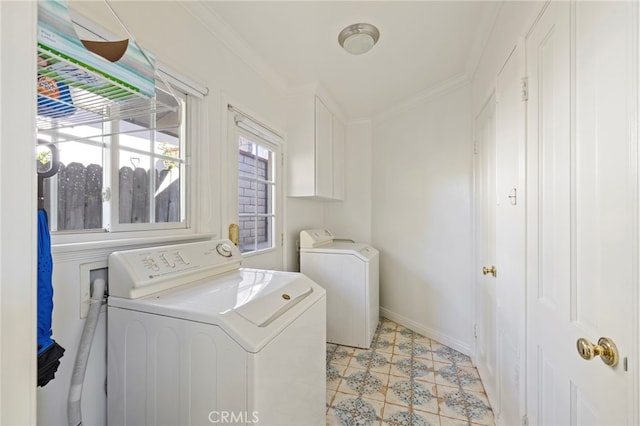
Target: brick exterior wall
(252, 198)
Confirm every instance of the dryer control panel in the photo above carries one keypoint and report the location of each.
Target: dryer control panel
(312, 238)
(140, 272)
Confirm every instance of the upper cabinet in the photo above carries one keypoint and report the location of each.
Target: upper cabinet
(315, 149)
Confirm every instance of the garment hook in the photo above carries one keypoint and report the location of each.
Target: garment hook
(135, 161)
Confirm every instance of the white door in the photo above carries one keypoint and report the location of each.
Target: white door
(582, 218)
(500, 232)
(254, 204)
(510, 240)
(486, 356)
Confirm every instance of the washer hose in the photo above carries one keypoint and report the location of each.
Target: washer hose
(74, 413)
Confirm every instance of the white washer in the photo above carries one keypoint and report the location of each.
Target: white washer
(193, 339)
(349, 273)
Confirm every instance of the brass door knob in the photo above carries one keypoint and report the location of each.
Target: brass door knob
(605, 349)
(492, 270)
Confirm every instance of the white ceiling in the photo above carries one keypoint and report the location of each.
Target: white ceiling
(423, 44)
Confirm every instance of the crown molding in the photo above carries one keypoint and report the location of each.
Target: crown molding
(427, 95)
(488, 23)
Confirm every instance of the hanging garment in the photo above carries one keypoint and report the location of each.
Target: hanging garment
(49, 352)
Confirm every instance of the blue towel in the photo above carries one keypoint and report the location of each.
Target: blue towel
(49, 352)
(45, 286)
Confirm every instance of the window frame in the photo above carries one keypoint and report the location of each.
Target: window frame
(163, 230)
(240, 123)
(275, 151)
(114, 152)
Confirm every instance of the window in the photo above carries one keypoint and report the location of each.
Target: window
(126, 174)
(258, 185)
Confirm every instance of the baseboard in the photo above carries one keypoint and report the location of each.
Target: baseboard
(427, 332)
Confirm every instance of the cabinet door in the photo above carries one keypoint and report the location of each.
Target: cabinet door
(338, 159)
(324, 152)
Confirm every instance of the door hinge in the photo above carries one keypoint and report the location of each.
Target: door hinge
(475, 147)
(282, 240)
(525, 420)
(524, 88)
(475, 330)
(282, 159)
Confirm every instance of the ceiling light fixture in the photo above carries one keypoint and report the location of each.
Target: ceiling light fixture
(358, 38)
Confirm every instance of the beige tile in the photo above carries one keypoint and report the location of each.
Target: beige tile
(458, 413)
(443, 353)
(394, 415)
(385, 344)
(379, 362)
(385, 328)
(386, 323)
(344, 386)
(401, 367)
(419, 395)
(480, 413)
(446, 374)
(448, 421)
(405, 333)
(330, 395)
(365, 383)
(334, 382)
(410, 348)
(470, 379)
(467, 405)
(348, 409)
(426, 395)
(342, 355)
(448, 409)
(358, 351)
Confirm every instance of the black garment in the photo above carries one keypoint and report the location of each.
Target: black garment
(48, 363)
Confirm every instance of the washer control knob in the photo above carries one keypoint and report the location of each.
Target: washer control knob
(224, 249)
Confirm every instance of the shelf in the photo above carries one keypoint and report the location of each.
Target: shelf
(70, 94)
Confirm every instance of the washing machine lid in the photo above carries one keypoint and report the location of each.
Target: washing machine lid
(250, 305)
(360, 250)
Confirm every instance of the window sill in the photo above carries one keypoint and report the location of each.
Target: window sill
(259, 252)
(122, 242)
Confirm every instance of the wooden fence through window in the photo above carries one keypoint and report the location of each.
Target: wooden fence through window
(79, 196)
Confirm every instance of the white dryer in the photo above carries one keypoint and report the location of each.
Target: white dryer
(349, 273)
(193, 339)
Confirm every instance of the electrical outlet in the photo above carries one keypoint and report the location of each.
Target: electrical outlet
(88, 273)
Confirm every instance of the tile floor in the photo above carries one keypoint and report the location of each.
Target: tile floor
(404, 379)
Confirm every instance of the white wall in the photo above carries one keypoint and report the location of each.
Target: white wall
(18, 218)
(351, 218)
(301, 214)
(421, 215)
